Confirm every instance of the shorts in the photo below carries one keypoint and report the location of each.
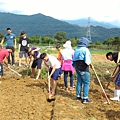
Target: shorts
(10, 47)
(38, 63)
(55, 75)
(60, 72)
(117, 81)
(1, 69)
(23, 53)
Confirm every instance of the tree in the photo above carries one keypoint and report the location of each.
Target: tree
(60, 36)
(1, 36)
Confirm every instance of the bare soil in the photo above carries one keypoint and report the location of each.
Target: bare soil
(26, 98)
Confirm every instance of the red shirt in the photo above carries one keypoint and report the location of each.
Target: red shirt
(3, 53)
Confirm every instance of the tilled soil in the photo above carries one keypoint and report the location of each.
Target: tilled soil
(26, 99)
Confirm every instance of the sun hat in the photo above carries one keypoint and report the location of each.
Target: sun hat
(83, 42)
(67, 44)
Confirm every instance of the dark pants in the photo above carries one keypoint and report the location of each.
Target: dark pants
(13, 59)
(65, 78)
(11, 54)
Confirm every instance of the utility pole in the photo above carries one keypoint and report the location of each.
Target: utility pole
(88, 35)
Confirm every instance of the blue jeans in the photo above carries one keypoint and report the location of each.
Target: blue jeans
(83, 78)
(65, 78)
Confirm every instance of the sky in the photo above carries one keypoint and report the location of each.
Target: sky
(100, 10)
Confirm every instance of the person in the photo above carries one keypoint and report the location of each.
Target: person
(67, 55)
(3, 59)
(115, 56)
(59, 57)
(10, 39)
(53, 65)
(82, 61)
(23, 43)
(37, 61)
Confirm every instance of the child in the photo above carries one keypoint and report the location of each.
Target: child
(37, 61)
(23, 43)
(54, 64)
(59, 57)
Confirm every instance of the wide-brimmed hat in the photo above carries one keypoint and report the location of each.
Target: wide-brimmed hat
(67, 44)
(83, 42)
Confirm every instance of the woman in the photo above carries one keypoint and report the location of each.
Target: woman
(67, 55)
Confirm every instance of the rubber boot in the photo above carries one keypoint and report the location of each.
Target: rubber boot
(116, 95)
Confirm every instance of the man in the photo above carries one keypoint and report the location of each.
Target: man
(37, 61)
(23, 43)
(82, 61)
(3, 59)
(53, 65)
(10, 39)
(116, 58)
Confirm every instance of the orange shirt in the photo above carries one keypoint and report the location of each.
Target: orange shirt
(60, 56)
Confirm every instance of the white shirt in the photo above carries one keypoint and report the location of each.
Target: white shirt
(53, 61)
(67, 54)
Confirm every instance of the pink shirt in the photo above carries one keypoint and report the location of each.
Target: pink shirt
(3, 53)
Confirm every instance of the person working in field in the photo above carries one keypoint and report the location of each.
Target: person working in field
(10, 39)
(59, 57)
(53, 65)
(68, 69)
(23, 43)
(82, 61)
(3, 59)
(37, 61)
(116, 74)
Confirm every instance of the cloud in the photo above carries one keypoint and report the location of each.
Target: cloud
(101, 10)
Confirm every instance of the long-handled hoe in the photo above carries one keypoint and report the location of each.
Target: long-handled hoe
(101, 87)
(15, 72)
(49, 93)
(117, 67)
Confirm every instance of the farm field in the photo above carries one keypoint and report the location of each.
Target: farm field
(26, 98)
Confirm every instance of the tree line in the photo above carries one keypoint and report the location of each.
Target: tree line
(60, 38)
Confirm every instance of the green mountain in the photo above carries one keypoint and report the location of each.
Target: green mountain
(42, 25)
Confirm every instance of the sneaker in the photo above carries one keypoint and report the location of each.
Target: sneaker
(78, 98)
(87, 101)
(13, 64)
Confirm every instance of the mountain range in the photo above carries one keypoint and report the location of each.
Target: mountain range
(39, 24)
(84, 22)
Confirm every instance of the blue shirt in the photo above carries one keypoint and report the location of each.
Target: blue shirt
(9, 39)
(82, 53)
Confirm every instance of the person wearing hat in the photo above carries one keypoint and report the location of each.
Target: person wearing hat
(82, 61)
(34, 52)
(67, 56)
(10, 39)
(23, 43)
